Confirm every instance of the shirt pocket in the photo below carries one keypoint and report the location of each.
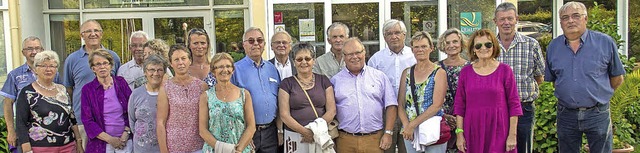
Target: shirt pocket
(595, 65)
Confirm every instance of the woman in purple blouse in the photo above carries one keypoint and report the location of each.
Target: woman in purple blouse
(104, 107)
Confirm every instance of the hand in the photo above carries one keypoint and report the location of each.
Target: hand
(11, 138)
(115, 142)
(451, 120)
(385, 142)
(79, 148)
(407, 133)
(124, 137)
(307, 136)
(511, 142)
(280, 139)
(461, 143)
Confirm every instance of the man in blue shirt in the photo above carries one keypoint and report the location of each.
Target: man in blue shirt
(16, 80)
(585, 69)
(261, 78)
(77, 72)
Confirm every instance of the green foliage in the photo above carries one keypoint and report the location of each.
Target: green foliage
(544, 137)
(603, 20)
(544, 41)
(236, 56)
(540, 16)
(628, 63)
(624, 101)
(4, 145)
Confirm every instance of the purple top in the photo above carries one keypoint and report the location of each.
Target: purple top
(299, 105)
(362, 99)
(113, 120)
(93, 110)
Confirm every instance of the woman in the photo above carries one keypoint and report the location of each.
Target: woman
(154, 47)
(142, 106)
(104, 107)
(294, 106)
(198, 43)
(44, 116)
(430, 86)
(487, 105)
(453, 45)
(178, 129)
(226, 111)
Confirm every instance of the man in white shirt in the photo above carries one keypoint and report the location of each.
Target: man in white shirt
(132, 70)
(281, 46)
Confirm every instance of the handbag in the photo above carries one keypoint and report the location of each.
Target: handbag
(333, 125)
(445, 130)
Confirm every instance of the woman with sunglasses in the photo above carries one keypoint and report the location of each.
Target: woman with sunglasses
(294, 105)
(486, 105)
(199, 44)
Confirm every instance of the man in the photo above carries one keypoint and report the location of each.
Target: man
(281, 46)
(331, 62)
(132, 70)
(16, 80)
(392, 61)
(77, 72)
(262, 80)
(585, 69)
(524, 55)
(362, 95)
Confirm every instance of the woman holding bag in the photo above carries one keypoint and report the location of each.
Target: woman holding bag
(295, 108)
(425, 87)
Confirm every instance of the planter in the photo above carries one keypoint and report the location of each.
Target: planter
(627, 149)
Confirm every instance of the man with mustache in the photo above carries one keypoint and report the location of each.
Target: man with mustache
(331, 62)
(132, 70)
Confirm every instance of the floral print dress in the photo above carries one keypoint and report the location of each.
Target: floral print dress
(453, 72)
(226, 119)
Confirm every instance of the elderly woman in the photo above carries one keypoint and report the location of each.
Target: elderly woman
(226, 111)
(424, 89)
(44, 116)
(199, 45)
(295, 108)
(154, 47)
(487, 105)
(178, 129)
(104, 107)
(142, 106)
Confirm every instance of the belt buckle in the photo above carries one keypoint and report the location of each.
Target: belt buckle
(582, 108)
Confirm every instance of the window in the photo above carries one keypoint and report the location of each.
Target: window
(363, 22)
(65, 34)
(418, 16)
(485, 7)
(64, 4)
(229, 29)
(293, 14)
(3, 52)
(91, 4)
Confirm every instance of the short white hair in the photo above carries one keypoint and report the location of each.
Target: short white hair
(138, 34)
(393, 22)
(45, 56)
(575, 5)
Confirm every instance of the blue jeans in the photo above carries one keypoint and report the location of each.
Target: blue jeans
(594, 122)
(525, 132)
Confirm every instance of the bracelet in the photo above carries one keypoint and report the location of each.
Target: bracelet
(459, 130)
(280, 131)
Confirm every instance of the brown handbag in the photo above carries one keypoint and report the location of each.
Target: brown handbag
(333, 125)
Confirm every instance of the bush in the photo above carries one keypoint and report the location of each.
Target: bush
(545, 137)
(4, 146)
(540, 16)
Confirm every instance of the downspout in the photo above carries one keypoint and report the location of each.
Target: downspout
(14, 24)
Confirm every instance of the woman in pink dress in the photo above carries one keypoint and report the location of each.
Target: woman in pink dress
(487, 105)
(177, 120)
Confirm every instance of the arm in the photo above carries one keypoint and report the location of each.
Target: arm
(131, 108)
(23, 114)
(76, 132)
(8, 117)
(402, 114)
(161, 119)
(285, 115)
(616, 81)
(460, 141)
(539, 79)
(203, 121)
(330, 105)
(538, 61)
(70, 93)
(250, 123)
(511, 138)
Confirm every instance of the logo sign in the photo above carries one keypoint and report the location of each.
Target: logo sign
(470, 22)
(429, 26)
(279, 27)
(277, 17)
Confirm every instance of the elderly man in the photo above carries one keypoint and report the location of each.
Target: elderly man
(132, 70)
(262, 80)
(76, 69)
(364, 96)
(281, 46)
(16, 80)
(585, 69)
(392, 61)
(331, 62)
(524, 56)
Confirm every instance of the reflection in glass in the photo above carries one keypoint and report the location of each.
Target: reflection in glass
(64, 4)
(65, 34)
(418, 16)
(115, 35)
(292, 12)
(90, 4)
(228, 2)
(229, 29)
(486, 7)
(362, 20)
(170, 29)
(3, 49)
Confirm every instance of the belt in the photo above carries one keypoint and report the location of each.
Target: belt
(584, 108)
(359, 134)
(263, 126)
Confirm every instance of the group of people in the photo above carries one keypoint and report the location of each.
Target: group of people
(175, 99)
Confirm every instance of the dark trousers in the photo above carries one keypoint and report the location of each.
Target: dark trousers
(525, 130)
(266, 140)
(594, 122)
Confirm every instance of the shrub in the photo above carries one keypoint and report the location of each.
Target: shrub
(540, 16)
(545, 138)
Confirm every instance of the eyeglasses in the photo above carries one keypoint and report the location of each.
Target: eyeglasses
(102, 64)
(354, 53)
(223, 66)
(251, 41)
(391, 33)
(507, 19)
(92, 30)
(575, 16)
(31, 49)
(48, 66)
(487, 45)
(155, 70)
(304, 58)
(279, 43)
(136, 45)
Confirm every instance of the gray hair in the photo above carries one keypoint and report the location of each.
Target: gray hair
(244, 36)
(506, 6)
(45, 56)
(31, 38)
(442, 42)
(303, 46)
(138, 34)
(282, 33)
(393, 22)
(154, 60)
(422, 35)
(338, 25)
(92, 20)
(357, 41)
(575, 5)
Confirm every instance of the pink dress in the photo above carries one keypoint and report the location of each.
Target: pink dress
(182, 122)
(486, 103)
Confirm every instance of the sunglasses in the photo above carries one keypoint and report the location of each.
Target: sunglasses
(304, 58)
(487, 45)
(251, 41)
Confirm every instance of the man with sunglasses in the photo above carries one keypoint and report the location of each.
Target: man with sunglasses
(392, 61)
(262, 80)
(132, 70)
(331, 62)
(585, 69)
(77, 72)
(281, 46)
(524, 55)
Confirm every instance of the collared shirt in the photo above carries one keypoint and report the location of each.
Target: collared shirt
(262, 82)
(77, 72)
(131, 71)
(361, 99)
(524, 56)
(18, 79)
(582, 78)
(284, 69)
(392, 64)
(328, 65)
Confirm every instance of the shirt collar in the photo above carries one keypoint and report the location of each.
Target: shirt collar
(402, 52)
(134, 64)
(582, 37)
(285, 64)
(85, 51)
(250, 61)
(353, 75)
(25, 68)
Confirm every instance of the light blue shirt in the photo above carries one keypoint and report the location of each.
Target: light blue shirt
(393, 64)
(77, 73)
(19, 78)
(262, 81)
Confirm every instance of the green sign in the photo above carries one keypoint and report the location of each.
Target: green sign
(470, 22)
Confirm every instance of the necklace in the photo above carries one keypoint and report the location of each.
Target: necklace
(43, 87)
(310, 83)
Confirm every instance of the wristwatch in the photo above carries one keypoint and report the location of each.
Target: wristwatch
(128, 131)
(388, 132)
(459, 130)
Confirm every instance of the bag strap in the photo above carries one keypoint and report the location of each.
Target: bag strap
(306, 94)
